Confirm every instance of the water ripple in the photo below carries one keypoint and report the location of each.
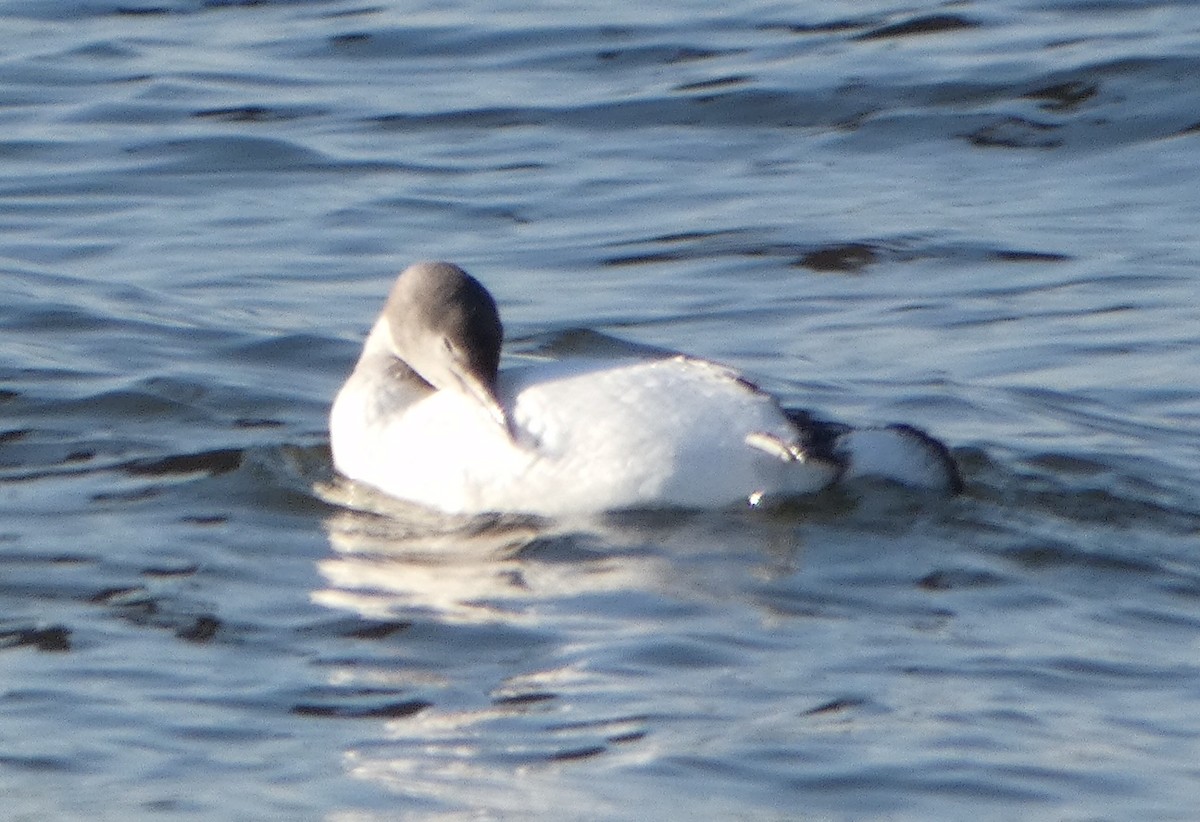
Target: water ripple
(977, 219)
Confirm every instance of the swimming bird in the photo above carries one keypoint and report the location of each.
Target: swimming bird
(429, 417)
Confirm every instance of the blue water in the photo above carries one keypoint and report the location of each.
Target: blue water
(977, 218)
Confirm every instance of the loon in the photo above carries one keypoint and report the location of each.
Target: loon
(428, 416)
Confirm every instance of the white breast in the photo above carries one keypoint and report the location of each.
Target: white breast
(592, 436)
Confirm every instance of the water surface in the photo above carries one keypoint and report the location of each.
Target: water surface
(977, 218)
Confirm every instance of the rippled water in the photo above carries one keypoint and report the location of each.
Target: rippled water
(978, 218)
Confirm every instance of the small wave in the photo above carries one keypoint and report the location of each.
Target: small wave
(135, 9)
(919, 26)
(845, 257)
(228, 154)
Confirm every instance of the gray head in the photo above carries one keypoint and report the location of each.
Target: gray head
(445, 326)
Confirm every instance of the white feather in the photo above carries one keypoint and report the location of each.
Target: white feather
(591, 436)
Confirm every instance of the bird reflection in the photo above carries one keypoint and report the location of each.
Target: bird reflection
(520, 635)
(391, 559)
